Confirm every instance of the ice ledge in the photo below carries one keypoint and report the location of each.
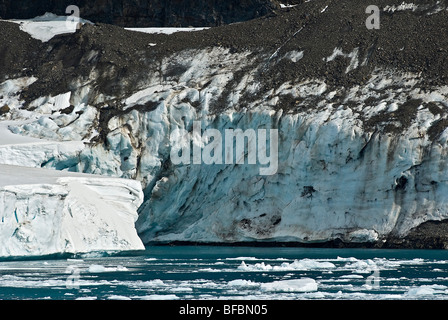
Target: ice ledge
(46, 212)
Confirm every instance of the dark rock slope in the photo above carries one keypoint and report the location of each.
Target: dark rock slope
(146, 13)
(409, 41)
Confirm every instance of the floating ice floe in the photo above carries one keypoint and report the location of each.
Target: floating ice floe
(293, 285)
(290, 285)
(166, 30)
(304, 264)
(426, 290)
(159, 297)
(96, 268)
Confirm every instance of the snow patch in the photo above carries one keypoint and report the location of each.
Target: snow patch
(166, 30)
(283, 6)
(294, 55)
(354, 62)
(402, 7)
(45, 27)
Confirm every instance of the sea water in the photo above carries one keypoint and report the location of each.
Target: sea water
(207, 272)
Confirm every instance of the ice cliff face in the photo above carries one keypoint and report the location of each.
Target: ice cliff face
(328, 183)
(46, 213)
(361, 119)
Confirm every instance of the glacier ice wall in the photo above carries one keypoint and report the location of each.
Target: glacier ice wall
(45, 213)
(336, 180)
(53, 211)
(358, 162)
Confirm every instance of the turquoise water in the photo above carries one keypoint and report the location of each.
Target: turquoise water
(206, 272)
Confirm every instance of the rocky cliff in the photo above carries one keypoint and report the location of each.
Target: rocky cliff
(145, 13)
(361, 116)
